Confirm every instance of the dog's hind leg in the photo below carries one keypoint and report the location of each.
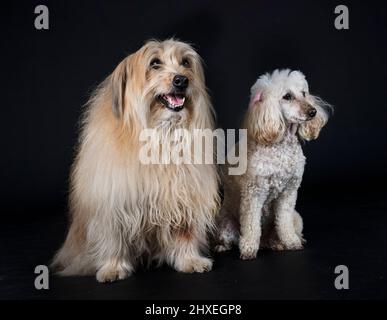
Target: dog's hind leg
(69, 259)
(228, 233)
(270, 238)
(100, 248)
(298, 226)
(286, 221)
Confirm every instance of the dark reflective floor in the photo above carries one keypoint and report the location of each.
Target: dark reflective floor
(352, 233)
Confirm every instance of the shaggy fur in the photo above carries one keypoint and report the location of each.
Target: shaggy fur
(122, 210)
(262, 201)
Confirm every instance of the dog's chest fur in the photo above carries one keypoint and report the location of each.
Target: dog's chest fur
(276, 167)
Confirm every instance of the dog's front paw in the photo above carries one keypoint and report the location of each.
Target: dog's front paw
(248, 250)
(110, 273)
(248, 255)
(196, 264)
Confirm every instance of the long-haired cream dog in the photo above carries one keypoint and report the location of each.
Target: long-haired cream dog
(122, 210)
(262, 201)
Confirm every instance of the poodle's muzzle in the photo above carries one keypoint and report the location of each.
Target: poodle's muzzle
(311, 112)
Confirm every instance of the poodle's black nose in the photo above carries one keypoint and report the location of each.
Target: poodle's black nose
(180, 82)
(312, 112)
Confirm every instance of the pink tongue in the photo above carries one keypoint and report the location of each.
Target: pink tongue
(175, 99)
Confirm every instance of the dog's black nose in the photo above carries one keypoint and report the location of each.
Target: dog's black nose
(312, 112)
(180, 82)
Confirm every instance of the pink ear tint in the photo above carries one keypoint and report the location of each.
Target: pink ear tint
(257, 97)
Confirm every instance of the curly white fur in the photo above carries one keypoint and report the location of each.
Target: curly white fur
(259, 206)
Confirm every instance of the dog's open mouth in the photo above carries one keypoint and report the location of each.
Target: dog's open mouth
(173, 101)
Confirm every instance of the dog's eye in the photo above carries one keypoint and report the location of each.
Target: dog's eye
(287, 96)
(155, 63)
(185, 63)
(303, 94)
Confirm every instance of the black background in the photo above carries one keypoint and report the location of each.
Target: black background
(47, 75)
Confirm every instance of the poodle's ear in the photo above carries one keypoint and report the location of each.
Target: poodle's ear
(257, 97)
(310, 130)
(264, 121)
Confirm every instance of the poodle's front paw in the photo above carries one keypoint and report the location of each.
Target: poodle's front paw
(248, 254)
(248, 249)
(195, 264)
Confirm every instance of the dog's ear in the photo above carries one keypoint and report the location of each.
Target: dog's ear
(257, 97)
(310, 130)
(118, 84)
(264, 121)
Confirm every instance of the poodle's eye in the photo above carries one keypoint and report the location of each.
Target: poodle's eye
(155, 63)
(303, 94)
(287, 97)
(185, 63)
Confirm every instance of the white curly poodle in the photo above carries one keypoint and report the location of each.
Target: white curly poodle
(259, 206)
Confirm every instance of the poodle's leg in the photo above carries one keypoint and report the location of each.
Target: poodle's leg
(298, 226)
(228, 232)
(298, 223)
(250, 222)
(227, 220)
(269, 237)
(285, 221)
(182, 251)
